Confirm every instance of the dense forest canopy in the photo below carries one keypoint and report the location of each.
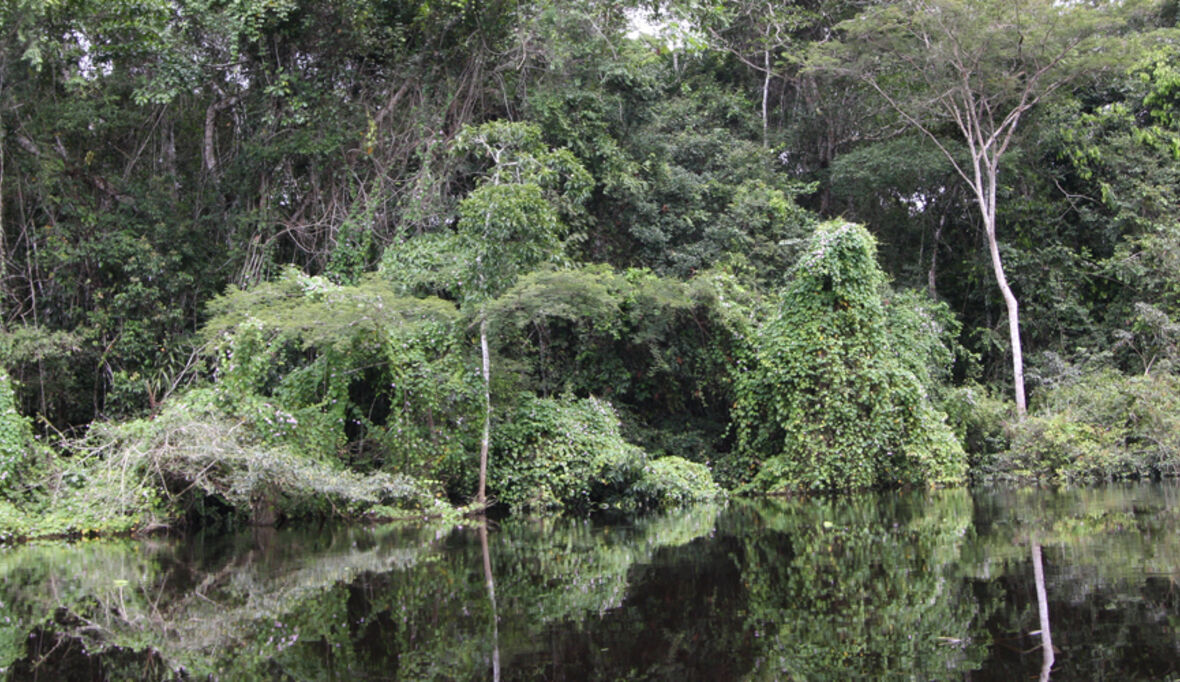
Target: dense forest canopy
(406, 226)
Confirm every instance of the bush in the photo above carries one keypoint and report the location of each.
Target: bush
(358, 373)
(662, 350)
(831, 399)
(672, 481)
(1101, 426)
(15, 440)
(980, 421)
(562, 454)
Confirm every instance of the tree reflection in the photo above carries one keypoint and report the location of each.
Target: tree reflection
(1043, 612)
(862, 586)
(919, 585)
(490, 580)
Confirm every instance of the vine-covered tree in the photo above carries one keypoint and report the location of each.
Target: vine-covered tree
(833, 399)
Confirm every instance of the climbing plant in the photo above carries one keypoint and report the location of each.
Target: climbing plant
(829, 399)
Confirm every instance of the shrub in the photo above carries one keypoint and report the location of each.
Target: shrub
(662, 350)
(672, 481)
(562, 454)
(197, 457)
(15, 441)
(980, 421)
(1103, 425)
(358, 373)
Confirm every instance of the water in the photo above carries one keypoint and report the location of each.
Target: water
(910, 585)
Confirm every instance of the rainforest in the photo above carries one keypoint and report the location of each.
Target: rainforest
(272, 260)
(579, 339)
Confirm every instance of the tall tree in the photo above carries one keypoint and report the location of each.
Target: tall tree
(973, 69)
(510, 223)
(759, 33)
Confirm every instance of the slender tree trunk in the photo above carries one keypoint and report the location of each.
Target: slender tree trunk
(1047, 656)
(3, 238)
(765, 96)
(986, 173)
(481, 497)
(932, 274)
(210, 146)
(1013, 310)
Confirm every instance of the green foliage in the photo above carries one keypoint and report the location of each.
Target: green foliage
(662, 350)
(980, 422)
(767, 228)
(674, 481)
(512, 229)
(433, 264)
(16, 441)
(354, 249)
(355, 373)
(157, 153)
(831, 400)
(932, 351)
(513, 220)
(1101, 426)
(197, 458)
(561, 454)
(518, 156)
(683, 179)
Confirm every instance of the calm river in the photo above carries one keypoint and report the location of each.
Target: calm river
(910, 585)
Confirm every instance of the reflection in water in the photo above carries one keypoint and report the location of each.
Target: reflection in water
(491, 582)
(1042, 612)
(922, 585)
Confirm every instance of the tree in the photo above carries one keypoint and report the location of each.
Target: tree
(510, 223)
(759, 33)
(975, 68)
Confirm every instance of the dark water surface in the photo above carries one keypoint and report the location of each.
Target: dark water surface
(923, 585)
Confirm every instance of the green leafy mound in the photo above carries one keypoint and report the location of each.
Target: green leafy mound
(831, 399)
(568, 454)
(360, 373)
(660, 349)
(561, 454)
(672, 481)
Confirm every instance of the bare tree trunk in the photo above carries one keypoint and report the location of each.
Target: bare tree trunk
(481, 497)
(3, 242)
(765, 96)
(210, 148)
(932, 274)
(1047, 656)
(1013, 314)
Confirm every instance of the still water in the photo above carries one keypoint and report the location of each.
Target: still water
(910, 585)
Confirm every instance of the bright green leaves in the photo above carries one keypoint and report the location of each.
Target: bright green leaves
(568, 454)
(510, 229)
(511, 222)
(518, 155)
(552, 454)
(662, 350)
(831, 401)
(14, 439)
